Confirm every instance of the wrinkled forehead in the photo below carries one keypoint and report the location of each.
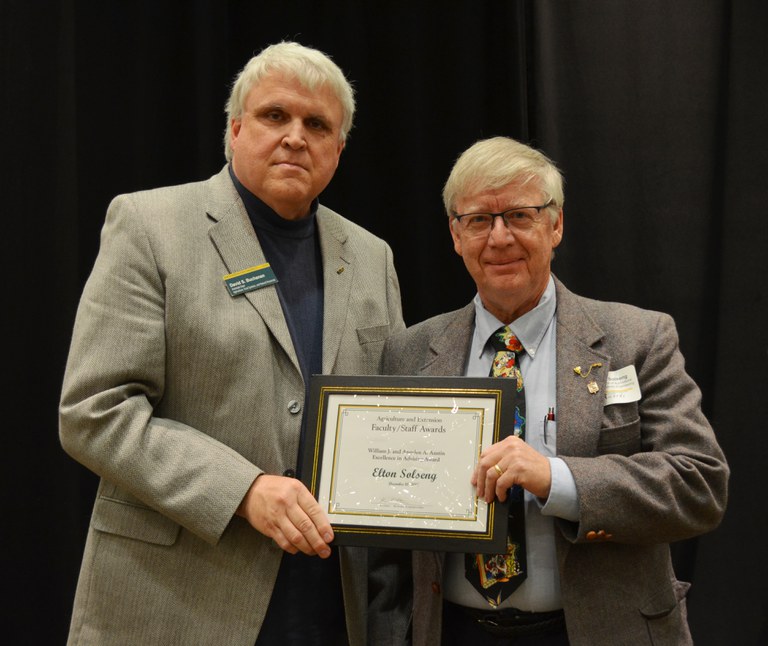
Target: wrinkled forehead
(288, 91)
(292, 77)
(482, 194)
(278, 80)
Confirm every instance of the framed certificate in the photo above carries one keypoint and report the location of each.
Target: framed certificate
(390, 459)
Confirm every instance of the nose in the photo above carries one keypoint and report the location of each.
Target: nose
(500, 233)
(294, 137)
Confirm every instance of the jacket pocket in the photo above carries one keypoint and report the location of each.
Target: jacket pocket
(667, 617)
(133, 521)
(372, 334)
(624, 440)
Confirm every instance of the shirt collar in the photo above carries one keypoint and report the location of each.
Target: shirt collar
(529, 328)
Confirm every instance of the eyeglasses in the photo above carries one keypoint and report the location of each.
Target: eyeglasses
(520, 218)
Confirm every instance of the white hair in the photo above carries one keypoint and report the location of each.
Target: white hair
(500, 161)
(311, 67)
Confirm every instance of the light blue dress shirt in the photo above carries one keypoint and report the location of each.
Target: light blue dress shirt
(536, 330)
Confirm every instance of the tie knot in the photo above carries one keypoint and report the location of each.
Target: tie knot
(503, 339)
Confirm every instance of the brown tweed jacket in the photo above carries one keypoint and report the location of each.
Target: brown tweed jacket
(647, 473)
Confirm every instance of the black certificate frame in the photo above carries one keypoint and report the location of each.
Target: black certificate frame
(483, 529)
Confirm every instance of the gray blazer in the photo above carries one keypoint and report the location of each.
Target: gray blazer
(178, 395)
(647, 473)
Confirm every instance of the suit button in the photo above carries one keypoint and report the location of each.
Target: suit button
(435, 587)
(289, 473)
(591, 536)
(294, 406)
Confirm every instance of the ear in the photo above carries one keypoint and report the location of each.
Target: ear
(454, 235)
(234, 131)
(557, 230)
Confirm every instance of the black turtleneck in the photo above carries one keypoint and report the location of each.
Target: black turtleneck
(307, 587)
(292, 248)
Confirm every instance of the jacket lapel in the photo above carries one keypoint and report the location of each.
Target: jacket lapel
(579, 340)
(338, 271)
(579, 410)
(449, 350)
(234, 238)
(579, 343)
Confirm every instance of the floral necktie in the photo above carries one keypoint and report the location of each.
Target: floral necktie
(496, 576)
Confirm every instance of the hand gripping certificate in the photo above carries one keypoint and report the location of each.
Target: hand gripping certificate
(390, 459)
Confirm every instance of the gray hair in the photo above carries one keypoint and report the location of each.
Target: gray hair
(497, 162)
(311, 67)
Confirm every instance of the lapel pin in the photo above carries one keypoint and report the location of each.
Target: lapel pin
(583, 374)
(592, 386)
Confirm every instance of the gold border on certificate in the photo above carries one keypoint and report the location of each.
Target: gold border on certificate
(390, 459)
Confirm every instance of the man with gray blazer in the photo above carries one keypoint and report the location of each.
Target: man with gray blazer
(208, 308)
(613, 459)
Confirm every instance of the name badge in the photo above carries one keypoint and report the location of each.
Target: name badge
(249, 279)
(622, 386)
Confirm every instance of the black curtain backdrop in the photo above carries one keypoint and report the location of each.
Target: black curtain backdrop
(655, 111)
